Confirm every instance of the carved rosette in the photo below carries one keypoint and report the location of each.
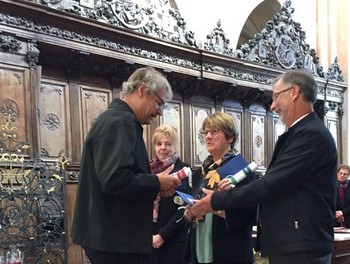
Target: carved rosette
(10, 110)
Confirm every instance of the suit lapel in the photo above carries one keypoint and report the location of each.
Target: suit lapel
(279, 144)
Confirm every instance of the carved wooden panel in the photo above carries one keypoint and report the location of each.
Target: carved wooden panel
(54, 119)
(93, 102)
(278, 129)
(200, 153)
(332, 123)
(237, 116)
(257, 123)
(14, 83)
(173, 116)
(147, 137)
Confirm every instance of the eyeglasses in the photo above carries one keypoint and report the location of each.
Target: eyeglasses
(275, 95)
(212, 132)
(162, 105)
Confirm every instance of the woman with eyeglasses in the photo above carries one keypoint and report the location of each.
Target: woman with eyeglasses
(169, 224)
(225, 236)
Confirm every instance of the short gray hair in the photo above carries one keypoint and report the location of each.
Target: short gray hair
(153, 80)
(305, 81)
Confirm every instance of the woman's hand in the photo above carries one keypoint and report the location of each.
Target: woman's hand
(189, 216)
(157, 241)
(339, 216)
(225, 184)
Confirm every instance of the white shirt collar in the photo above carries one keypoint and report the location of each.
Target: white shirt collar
(300, 118)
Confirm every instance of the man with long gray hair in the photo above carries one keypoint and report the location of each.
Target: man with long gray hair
(114, 204)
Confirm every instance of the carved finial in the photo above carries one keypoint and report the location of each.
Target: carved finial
(334, 71)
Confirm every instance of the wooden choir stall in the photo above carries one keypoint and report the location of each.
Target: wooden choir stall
(62, 63)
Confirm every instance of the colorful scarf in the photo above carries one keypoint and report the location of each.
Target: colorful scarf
(341, 192)
(209, 170)
(158, 166)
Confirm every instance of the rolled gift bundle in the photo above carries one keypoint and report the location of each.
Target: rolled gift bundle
(184, 173)
(242, 174)
(178, 200)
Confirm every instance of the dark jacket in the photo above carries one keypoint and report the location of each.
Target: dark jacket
(297, 194)
(171, 225)
(116, 190)
(231, 237)
(345, 209)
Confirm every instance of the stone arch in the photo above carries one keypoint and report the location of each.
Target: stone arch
(257, 19)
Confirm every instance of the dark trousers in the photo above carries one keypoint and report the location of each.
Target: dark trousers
(100, 257)
(305, 257)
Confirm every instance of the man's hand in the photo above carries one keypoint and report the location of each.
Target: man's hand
(202, 206)
(167, 182)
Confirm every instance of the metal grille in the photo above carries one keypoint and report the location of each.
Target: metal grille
(32, 204)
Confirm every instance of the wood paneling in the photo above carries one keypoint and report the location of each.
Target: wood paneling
(14, 83)
(173, 116)
(84, 63)
(257, 126)
(93, 102)
(54, 119)
(237, 115)
(198, 114)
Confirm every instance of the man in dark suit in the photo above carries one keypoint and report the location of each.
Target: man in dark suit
(298, 192)
(114, 205)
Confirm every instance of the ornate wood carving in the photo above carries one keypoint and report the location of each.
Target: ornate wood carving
(258, 139)
(89, 54)
(153, 17)
(94, 101)
(33, 53)
(237, 116)
(54, 120)
(282, 44)
(13, 99)
(215, 71)
(334, 72)
(199, 113)
(9, 43)
(217, 41)
(228, 71)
